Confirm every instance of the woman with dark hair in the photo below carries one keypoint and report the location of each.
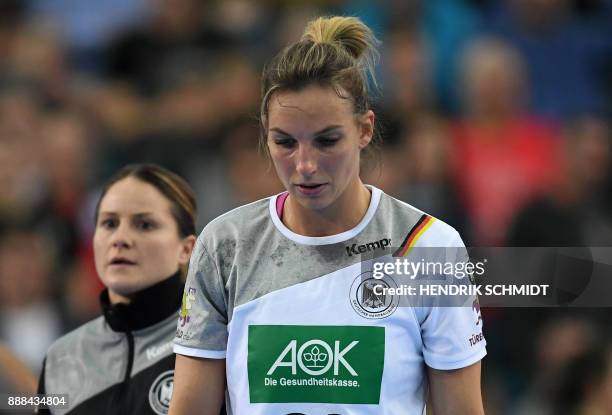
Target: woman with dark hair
(584, 384)
(281, 304)
(122, 362)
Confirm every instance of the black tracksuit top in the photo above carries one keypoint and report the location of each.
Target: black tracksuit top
(122, 362)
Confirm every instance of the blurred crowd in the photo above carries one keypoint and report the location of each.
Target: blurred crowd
(495, 117)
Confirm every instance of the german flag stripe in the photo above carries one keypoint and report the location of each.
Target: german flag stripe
(416, 225)
(415, 233)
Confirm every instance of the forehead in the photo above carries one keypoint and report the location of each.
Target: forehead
(314, 106)
(131, 195)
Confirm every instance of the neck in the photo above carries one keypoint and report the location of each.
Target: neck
(115, 298)
(144, 308)
(342, 215)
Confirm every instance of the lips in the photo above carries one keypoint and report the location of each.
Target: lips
(310, 189)
(121, 261)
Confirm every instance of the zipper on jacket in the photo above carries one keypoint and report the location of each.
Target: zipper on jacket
(125, 385)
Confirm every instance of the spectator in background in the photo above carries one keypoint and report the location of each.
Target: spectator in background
(408, 85)
(502, 156)
(415, 160)
(239, 174)
(174, 41)
(417, 168)
(573, 212)
(85, 26)
(569, 213)
(157, 74)
(11, 16)
(15, 377)
(28, 306)
(38, 58)
(558, 344)
(20, 173)
(244, 160)
(202, 81)
(565, 52)
(449, 26)
(584, 386)
(66, 148)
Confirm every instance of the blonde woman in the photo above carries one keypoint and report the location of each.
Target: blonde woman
(271, 314)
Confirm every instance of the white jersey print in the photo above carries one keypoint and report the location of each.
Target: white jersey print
(297, 322)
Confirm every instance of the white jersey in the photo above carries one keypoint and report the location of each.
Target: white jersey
(297, 322)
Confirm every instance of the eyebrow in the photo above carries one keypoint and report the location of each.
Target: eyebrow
(323, 131)
(138, 215)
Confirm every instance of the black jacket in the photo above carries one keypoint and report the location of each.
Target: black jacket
(121, 363)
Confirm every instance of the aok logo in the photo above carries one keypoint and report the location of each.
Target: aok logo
(315, 357)
(315, 364)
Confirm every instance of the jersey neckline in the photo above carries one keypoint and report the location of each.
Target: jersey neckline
(330, 239)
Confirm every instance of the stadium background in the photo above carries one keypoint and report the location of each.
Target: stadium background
(495, 117)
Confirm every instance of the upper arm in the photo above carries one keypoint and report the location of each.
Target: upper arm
(456, 391)
(201, 340)
(451, 326)
(453, 343)
(199, 386)
(203, 318)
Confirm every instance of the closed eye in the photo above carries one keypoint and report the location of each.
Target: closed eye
(284, 142)
(328, 141)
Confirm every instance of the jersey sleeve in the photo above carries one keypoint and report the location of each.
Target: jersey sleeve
(202, 326)
(452, 335)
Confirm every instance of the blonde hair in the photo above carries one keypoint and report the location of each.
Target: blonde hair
(337, 51)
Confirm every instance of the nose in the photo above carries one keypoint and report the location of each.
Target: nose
(305, 161)
(121, 237)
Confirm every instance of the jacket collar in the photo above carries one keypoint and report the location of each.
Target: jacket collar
(149, 306)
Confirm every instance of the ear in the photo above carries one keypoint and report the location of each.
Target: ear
(187, 245)
(366, 123)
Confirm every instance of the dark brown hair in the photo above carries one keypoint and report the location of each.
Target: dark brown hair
(171, 185)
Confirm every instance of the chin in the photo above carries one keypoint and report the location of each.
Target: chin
(313, 203)
(125, 290)
(124, 285)
(319, 202)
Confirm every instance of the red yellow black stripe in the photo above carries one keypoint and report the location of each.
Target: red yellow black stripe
(415, 233)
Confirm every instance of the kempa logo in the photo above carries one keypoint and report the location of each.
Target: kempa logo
(369, 246)
(154, 352)
(315, 357)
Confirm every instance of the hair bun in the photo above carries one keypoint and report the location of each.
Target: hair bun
(349, 33)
